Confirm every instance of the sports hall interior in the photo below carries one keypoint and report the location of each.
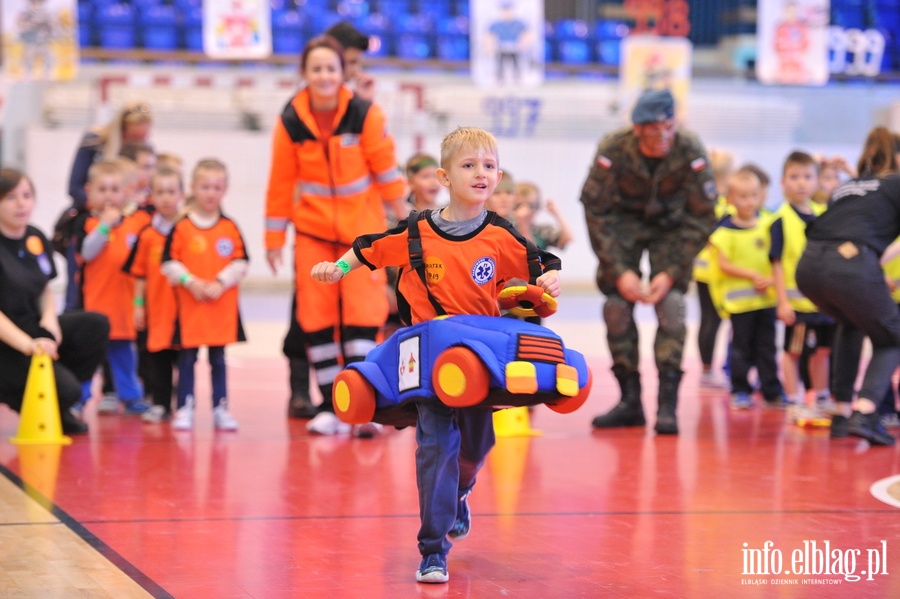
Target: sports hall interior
(738, 503)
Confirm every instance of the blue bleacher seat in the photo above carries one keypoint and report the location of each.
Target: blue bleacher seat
(192, 28)
(85, 24)
(289, 31)
(353, 9)
(452, 38)
(609, 35)
(159, 26)
(116, 26)
(378, 28)
(573, 41)
(415, 34)
(394, 9)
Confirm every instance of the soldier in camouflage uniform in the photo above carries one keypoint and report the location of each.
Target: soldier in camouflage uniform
(650, 188)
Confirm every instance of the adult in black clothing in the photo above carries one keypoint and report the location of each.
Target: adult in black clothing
(841, 271)
(28, 321)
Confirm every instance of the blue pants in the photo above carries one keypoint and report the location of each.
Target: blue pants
(186, 360)
(122, 358)
(451, 447)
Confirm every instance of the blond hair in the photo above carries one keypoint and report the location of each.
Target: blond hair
(209, 164)
(466, 138)
(128, 167)
(525, 190)
(106, 167)
(166, 173)
(110, 135)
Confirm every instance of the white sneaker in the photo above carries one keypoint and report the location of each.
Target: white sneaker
(711, 380)
(367, 430)
(184, 417)
(155, 414)
(326, 423)
(109, 404)
(223, 420)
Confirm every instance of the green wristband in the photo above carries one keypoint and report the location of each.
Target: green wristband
(343, 265)
(103, 228)
(185, 278)
(138, 301)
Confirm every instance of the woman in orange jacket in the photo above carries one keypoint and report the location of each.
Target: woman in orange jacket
(333, 170)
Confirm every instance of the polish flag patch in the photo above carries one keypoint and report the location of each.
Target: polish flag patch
(604, 161)
(698, 165)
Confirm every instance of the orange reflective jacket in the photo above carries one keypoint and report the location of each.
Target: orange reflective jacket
(333, 195)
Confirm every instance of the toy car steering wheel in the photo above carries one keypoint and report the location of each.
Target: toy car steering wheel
(527, 300)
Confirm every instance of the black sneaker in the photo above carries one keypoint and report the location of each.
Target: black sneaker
(70, 424)
(838, 427)
(301, 407)
(463, 523)
(868, 427)
(433, 569)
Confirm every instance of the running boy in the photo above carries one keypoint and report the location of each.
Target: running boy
(741, 242)
(205, 259)
(469, 253)
(104, 244)
(154, 297)
(804, 325)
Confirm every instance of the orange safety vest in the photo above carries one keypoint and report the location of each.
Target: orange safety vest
(334, 195)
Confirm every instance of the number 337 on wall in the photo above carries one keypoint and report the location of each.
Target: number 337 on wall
(855, 51)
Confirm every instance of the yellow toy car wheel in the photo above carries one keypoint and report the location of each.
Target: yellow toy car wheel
(353, 397)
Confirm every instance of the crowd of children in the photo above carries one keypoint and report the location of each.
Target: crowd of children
(165, 273)
(747, 274)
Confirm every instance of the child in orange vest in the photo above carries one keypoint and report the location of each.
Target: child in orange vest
(205, 259)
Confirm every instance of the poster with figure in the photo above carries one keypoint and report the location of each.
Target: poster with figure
(654, 62)
(792, 42)
(40, 39)
(237, 29)
(507, 43)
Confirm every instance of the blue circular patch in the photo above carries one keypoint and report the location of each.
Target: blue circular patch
(483, 270)
(224, 246)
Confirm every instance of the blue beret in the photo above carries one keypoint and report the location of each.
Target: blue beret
(653, 106)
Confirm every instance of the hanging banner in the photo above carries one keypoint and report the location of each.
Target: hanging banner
(237, 29)
(653, 62)
(792, 42)
(40, 39)
(507, 43)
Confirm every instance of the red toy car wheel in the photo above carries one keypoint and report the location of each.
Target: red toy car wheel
(353, 397)
(459, 378)
(567, 405)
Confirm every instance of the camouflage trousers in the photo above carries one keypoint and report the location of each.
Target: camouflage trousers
(622, 333)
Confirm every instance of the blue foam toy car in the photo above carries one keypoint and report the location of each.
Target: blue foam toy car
(462, 361)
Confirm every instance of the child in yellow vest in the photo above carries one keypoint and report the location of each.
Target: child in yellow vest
(804, 324)
(741, 247)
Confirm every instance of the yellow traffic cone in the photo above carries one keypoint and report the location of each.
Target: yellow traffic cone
(39, 419)
(514, 422)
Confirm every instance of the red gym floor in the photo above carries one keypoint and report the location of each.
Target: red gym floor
(271, 512)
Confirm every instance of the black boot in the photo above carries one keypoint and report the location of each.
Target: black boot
(666, 421)
(300, 405)
(629, 411)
